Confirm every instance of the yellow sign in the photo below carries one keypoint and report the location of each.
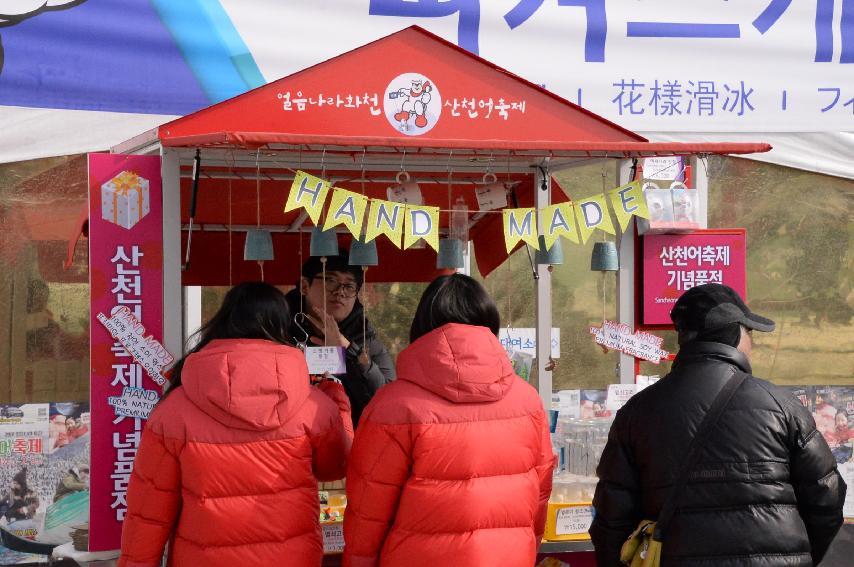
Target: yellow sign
(385, 217)
(520, 224)
(307, 192)
(558, 220)
(421, 222)
(628, 200)
(347, 208)
(592, 213)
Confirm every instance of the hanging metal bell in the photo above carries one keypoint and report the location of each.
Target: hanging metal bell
(450, 254)
(323, 242)
(258, 246)
(605, 258)
(553, 256)
(363, 253)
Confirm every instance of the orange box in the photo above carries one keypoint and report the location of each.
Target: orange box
(568, 521)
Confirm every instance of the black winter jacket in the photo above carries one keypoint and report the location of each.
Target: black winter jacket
(765, 491)
(361, 382)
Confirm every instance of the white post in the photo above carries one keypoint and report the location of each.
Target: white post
(626, 279)
(192, 313)
(544, 300)
(700, 182)
(172, 320)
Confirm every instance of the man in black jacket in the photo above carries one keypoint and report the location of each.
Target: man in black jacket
(765, 491)
(369, 364)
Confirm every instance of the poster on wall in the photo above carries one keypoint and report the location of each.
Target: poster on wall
(44, 473)
(832, 407)
(674, 263)
(125, 267)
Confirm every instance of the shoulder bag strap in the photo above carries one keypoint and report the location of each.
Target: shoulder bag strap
(695, 449)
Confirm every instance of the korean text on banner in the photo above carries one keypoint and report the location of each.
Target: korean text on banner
(126, 267)
(628, 200)
(674, 263)
(307, 192)
(520, 224)
(592, 213)
(347, 208)
(421, 222)
(385, 217)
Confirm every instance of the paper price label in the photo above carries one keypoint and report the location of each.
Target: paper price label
(321, 360)
(491, 197)
(573, 520)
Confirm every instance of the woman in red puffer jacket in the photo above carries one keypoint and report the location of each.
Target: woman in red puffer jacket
(228, 465)
(452, 463)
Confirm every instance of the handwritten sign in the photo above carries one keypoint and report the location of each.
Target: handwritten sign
(573, 520)
(524, 339)
(617, 336)
(619, 394)
(325, 359)
(134, 402)
(146, 350)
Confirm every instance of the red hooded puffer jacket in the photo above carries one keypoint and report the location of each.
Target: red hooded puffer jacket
(452, 463)
(228, 464)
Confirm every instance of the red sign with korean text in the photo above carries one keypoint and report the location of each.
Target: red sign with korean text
(125, 270)
(674, 263)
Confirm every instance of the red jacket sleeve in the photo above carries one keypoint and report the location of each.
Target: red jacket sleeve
(379, 467)
(545, 470)
(153, 499)
(332, 434)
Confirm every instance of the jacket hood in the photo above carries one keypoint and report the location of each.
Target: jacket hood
(248, 384)
(461, 363)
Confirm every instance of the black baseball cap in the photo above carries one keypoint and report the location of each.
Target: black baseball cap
(714, 306)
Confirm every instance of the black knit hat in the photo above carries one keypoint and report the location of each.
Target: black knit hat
(714, 306)
(340, 263)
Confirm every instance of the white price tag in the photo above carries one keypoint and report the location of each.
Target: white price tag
(491, 197)
(570, 403)
(325, 359)
(573, 520)
(408, 193)
(619, 394)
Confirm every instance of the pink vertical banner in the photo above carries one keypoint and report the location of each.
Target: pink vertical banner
(125, 269)
(674, 263)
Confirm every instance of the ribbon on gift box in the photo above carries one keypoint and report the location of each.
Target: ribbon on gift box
(124, 183)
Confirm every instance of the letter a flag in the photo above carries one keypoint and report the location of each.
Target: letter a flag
(558, 220)
(421, 222)
(385, 217)
(628, 200)
(520, 224)
(307, 192)
(347, 208)
(592, 213)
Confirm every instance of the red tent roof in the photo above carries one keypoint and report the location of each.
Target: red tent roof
(411, 101)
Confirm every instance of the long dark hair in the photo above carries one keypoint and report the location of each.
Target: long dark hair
(250, 310)
(454, 299)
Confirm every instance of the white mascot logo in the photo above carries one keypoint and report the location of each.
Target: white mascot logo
(412, 104)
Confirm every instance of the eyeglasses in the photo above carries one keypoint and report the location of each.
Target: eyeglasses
(347, 289)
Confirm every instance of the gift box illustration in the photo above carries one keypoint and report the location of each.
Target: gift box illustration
(125, 199)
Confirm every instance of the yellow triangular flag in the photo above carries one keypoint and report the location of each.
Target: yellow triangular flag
(307, 192)
(558, 220)
(628, 200)
(385, 217)
(520, 224)
(347, 208)
(421, 222)
(592, 213)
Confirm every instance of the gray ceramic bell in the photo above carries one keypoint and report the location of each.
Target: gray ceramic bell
(363, 253)
(258, 246)
(553, 256)
(323, 242)
(450, 254)
(605, 258)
